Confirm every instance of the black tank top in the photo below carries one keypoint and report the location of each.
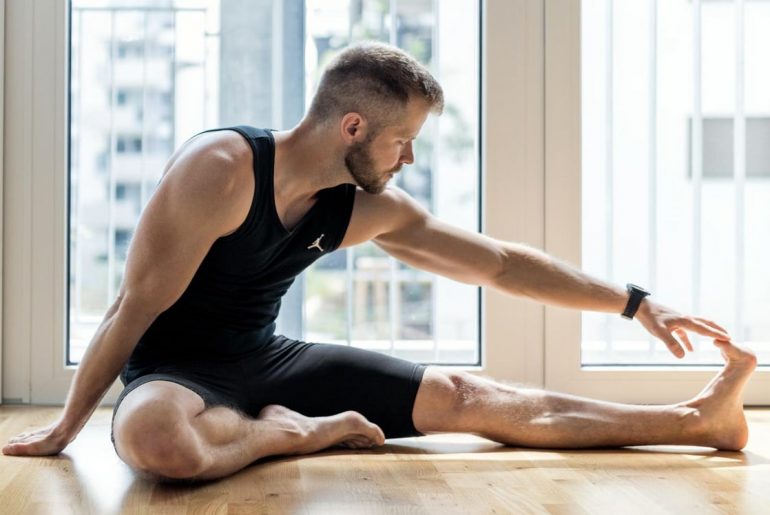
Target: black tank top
(233, 299)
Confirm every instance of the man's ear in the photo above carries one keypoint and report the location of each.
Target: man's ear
(353, 128)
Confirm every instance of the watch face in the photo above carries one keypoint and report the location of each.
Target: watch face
(638, 289)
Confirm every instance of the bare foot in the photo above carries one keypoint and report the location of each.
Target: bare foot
(348, 429)
(718, 417)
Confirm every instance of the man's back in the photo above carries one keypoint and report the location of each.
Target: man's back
(238, 285)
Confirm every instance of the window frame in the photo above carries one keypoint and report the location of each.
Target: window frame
(36, 237)
(2, 207)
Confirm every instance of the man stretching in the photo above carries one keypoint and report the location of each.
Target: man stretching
(240, 212)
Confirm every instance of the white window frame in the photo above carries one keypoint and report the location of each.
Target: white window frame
(563, 370)
(35, 214)
(2, 117)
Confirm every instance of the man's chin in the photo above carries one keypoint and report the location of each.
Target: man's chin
(376, 189)
(373, 189)
(380, 189)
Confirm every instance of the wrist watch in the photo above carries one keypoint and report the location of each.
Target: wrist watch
(635, 296)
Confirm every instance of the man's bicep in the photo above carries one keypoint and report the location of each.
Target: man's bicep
(373, 214)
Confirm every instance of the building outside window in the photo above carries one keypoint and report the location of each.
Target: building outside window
(146, 76)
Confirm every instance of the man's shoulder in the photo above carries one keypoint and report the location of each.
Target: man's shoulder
(214, 170)
(391, 201)
(220, 160)
(221, 147)
(377, 214)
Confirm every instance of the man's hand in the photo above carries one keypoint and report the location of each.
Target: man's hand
(40, 442)
(663, 323)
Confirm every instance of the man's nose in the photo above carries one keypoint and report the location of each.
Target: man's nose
(408, 156)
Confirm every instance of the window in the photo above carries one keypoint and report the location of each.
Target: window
(531, 155)
(625, 82)
(122, 238)
(129, 145)
(652, 214)
(718, 147)
(145, 76)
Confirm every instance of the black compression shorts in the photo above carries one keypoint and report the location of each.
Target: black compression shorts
(314, 379)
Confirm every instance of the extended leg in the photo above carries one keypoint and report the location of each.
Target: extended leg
(162, 428)
(451, 401)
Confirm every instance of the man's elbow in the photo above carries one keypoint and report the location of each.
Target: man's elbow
(509, 270)
(496, 270)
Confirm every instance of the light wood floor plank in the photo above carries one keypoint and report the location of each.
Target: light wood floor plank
(443, 474)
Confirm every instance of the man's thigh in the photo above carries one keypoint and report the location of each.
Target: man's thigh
(318, 379)
(181, 394)
(169, 398)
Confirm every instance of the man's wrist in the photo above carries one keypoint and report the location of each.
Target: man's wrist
(636, 295)
(644, 308)
(66, 428)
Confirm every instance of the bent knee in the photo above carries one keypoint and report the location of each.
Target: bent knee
(447, 400)
(469, 390)
(155, 435)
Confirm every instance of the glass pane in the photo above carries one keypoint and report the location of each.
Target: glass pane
(147, 75)
(662, 205)
(756, 273)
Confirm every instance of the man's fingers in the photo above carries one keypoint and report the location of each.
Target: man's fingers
(712, 324)
(26, 435)
(35, 448)
(682, 334)
(23, 437)
(674, 346)
(19, 438)
(33, 443)
(17, 449)
(705, 330)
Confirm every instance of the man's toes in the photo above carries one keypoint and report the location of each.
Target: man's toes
(374, 433)
(380, 440)
(735, 353)
(358, 443)
(360, 424)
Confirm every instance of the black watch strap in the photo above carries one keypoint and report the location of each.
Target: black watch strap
(635, 296)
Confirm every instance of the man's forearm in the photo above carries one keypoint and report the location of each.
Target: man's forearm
(535, 274)
(108, 351)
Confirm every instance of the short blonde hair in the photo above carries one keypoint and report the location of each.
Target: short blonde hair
(375, 80)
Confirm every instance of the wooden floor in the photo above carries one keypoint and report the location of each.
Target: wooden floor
(435, 474)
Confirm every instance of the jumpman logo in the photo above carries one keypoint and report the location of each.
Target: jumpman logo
(317, 244)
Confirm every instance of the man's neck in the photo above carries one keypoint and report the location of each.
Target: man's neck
(307, 160)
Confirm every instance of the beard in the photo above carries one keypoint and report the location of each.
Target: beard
(360, 164)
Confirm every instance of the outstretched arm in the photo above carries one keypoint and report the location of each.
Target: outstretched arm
(532, 273)
(401, 227)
